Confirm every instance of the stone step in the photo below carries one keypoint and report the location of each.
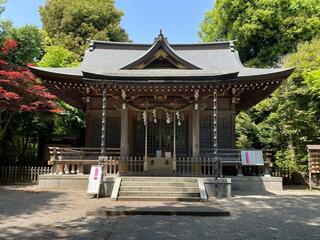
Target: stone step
(159, 179)
(159, 188)
(164, 184)
(159, 194)
(157, 198)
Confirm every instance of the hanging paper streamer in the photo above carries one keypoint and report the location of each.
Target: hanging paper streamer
(154, 113)
(144, 116)
(178, 118)
(168, 120)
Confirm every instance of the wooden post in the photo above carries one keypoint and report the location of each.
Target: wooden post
(196, 127)
(174, 163)
(124, 150)
(233, 117)
(309, 168)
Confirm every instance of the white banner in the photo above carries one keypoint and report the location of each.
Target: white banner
(252, 158)
(94, 179)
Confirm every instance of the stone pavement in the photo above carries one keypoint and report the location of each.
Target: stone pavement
(32, 213)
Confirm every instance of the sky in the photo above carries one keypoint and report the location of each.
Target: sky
(142, 20)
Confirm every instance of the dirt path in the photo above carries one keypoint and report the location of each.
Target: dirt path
(32, 213)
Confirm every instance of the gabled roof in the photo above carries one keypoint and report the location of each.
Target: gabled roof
(160, 52)
(114, 60)
(164, 63)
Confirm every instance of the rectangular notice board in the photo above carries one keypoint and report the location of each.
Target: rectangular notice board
(252, 158)
(94, 179)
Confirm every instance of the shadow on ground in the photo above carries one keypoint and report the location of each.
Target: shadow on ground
(252, 217)
(25, 202)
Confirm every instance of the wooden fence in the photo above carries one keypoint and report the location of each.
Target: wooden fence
(285, 173)
(20, 174)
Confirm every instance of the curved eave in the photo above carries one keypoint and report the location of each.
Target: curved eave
(250, 97)
(56, 73)
(70, 96)
(264, 74)
(228, 78)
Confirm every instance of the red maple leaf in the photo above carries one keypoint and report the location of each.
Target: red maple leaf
(19, 89)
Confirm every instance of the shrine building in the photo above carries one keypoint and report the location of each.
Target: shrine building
(159, 109)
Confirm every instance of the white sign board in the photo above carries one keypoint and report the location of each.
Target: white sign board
(94, 179)
(252, 158)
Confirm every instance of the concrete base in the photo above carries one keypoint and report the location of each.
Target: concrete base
(223, 184)
(256, 184)
(239, 184)
(161, 211)
(72, 182)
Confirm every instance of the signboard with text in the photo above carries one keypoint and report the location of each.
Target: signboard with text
(252, 158)
(94, 179)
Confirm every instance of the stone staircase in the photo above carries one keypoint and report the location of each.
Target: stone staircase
(159, 189)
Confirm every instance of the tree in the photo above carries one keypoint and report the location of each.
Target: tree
(19, 89)
(22, 97)
(30, 44)
(265, 30)
(57, 56)
(71, 23)
(4, 24)
(70, 121)
(290, 119)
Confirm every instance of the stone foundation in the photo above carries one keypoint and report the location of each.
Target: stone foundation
(239, 184)
(63, 181)
(256, 184)
(223, 184)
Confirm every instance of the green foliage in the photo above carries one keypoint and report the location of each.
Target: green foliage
(265, 29)
(57, 56)
(313, 80)
(247, 131)
(70, 122)
(71, 23)
(30, 44)
(290, 119)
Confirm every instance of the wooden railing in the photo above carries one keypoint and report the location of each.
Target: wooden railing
(123, 165)
(198, 166)
(80, 153)
(21, 174)
(234, 155)
(73, 160)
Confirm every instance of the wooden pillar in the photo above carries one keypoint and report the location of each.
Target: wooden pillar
(196, 127)
(124, 150)
(88, 139)
(195, 133)
(174, 163)
(124, 142)
(233, 118)
(103, 121)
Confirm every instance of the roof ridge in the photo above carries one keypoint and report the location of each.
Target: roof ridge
(98, 44)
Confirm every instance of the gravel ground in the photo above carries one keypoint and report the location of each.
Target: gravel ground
(27, 212)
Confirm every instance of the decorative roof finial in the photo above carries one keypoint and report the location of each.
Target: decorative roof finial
(160, 37)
